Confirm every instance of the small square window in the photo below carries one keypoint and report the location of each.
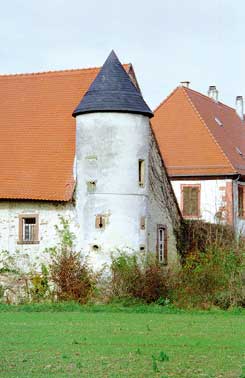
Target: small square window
(28, 229)
(91, 186)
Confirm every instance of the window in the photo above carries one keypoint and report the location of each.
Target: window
(91, 186)
(142, 223)
(190, 200)
(28, 229)
(239, 151)
(100, 221)
(162, 248)
(241, 201)
(217, 120)
(141, 173)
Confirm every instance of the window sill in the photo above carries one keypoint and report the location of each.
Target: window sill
(191, 216)
(28, 242)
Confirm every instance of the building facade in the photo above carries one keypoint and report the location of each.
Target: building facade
(202, 142)
(100, 169)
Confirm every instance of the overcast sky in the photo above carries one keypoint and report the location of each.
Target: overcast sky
(167, 41)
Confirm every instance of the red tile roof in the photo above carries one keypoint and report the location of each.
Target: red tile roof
(191, 139)
(37, 143)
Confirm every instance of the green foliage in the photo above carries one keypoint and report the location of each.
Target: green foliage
(138, 276)
(211, 277)
(8, 263)
(40, 285)
(197, 235)
(163, 356)
(154, 364)
(66, 236)
(1, 292)
(69, 271)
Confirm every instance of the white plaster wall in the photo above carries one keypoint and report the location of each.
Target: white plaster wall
(239, 223)
(49, 214)
(108, 148)
(211, 196)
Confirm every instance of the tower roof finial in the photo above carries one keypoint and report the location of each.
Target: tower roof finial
(112, 91)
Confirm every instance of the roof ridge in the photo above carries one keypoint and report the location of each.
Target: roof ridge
(204, 123)
(50, 72)
(208, 98)
(166, 99)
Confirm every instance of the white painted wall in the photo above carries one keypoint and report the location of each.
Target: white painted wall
(108, 148)
(49, 214)
(211, 196)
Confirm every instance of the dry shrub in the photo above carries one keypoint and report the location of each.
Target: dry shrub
(137, 277)
(72, 277)
(199, 236)
(69, 271)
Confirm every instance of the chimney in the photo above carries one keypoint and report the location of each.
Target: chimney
(185, 84)
(213, 93)
(239, 106)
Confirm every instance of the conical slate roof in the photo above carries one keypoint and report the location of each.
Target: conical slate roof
(112, 91)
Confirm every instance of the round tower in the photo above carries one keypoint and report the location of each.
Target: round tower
(112, 148)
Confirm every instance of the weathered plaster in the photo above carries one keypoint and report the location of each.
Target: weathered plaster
(108, 149)
(214, 206)
(109, 146)
(49, 216)
(163, 209)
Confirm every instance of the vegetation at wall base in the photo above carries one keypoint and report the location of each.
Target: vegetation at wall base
(212, 274)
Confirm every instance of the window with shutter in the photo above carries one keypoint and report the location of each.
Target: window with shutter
(241, 201)
(191, 200)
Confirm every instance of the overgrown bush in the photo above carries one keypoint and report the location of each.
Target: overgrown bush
(211, 277)
(138, 277)
(69, 271)
(198, 235)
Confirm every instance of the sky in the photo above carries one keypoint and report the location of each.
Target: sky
(167, 41)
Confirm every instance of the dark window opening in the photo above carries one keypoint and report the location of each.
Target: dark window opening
(162, 247)
(141, 173)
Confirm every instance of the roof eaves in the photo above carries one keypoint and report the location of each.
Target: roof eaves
(204, 123)
(126, 66)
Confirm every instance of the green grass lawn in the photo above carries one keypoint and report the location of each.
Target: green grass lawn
(121, 344)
